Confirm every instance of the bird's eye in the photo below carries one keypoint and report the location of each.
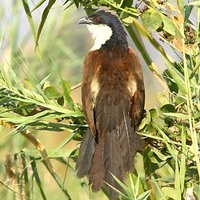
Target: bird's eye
(97, 19)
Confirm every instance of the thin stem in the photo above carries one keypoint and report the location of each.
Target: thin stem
(190, 108)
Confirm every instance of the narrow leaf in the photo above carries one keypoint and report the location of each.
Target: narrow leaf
(44, 18)
(183, 159)
(67, 89)
(157, 192)
(26, 184)
(181, 7)
(176, 76)
(38, 5)
(37, 177)
(29, 16)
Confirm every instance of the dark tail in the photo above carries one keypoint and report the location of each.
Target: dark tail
(114, 157)
(111, 156)
(86, 151)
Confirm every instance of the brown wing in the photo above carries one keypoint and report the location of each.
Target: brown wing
(90, 88)
(138, 90)
(87, 147)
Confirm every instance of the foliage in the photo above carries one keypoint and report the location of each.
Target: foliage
(169, 166)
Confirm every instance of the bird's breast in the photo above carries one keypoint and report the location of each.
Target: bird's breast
(112, 86)
(109, 77)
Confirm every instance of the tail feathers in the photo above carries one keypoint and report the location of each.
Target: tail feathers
(107, 162)
(130, 143)
(97, 173)
(114, 163)
(85, 156)
(111, 156)
(121, 145)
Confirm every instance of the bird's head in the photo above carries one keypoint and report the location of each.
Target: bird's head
(106, 30)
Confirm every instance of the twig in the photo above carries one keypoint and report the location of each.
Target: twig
(76, 86)
(40, 147)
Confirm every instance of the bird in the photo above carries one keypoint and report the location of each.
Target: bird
(113, 97)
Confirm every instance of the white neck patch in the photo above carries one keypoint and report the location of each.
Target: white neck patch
(100, 33)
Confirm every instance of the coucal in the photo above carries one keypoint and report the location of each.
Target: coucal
(113, 104)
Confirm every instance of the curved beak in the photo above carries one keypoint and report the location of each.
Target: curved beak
(84, 20)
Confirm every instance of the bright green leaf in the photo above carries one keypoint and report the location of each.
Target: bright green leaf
(181, 7)
(156, 21)
(168, 25)
(177, 115)
(52, 93)
(146, 20)
(170, 192)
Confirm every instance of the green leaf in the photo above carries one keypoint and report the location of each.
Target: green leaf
(168, 25)
(170, 192)
(29, 16)
(181, 7)
(160, 155)
(139, 166)
(125, 188)
(25, 175)
(144, 196)
(66, 86)
(38, 5)
(188, 10)
(168, 108)
(151, 20)
(145, 17)
(37, 177)
(67, 91)
(177, 115)
(51, 93)
(157, 194)
(156, 21)
(183, 159)
(178, 78)
(44, 18)
(155, 118)
(127, 3)
(173, 87)
(64, 143)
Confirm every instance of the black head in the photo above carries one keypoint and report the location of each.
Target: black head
(103, 17)
(100, 17)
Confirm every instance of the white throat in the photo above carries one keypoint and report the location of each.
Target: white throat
(100, 33)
